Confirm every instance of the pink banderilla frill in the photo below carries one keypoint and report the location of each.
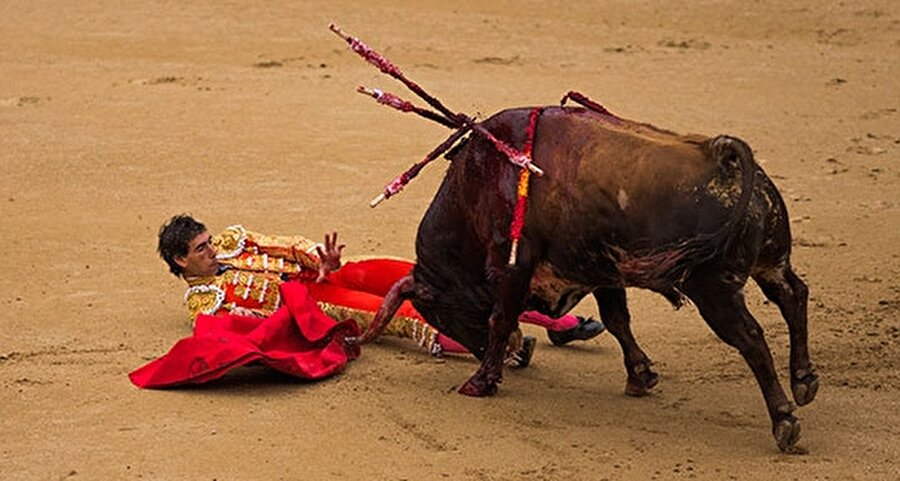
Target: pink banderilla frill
(387, 98)
(391, 100)
(396, 185)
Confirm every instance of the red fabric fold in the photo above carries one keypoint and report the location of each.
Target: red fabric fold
(298, 339)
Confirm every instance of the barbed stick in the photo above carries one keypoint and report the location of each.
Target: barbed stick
(400, 182)
(391, 100)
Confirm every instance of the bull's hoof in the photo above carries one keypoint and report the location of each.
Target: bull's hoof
(478, 388)
(805, 388)
(786, 433)
(638, 387)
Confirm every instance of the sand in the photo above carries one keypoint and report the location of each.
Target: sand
(116, 115)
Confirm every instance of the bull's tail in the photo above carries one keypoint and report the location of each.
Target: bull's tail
(402, 290)
(734, 154)
(672, 264)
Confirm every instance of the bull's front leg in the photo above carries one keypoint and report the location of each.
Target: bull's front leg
(509, 303)
(484, 382)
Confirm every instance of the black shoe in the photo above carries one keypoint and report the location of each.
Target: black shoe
(587, 328)
(522, 357)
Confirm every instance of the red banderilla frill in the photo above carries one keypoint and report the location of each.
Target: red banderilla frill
(516, 157)
(582, 99)
(518, 222)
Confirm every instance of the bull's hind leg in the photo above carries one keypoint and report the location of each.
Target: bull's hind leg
(613, 307)
(722, 305)
(782, 286)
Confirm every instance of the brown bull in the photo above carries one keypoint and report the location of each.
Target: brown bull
(621, 204)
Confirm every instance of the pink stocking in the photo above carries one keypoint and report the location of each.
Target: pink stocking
(563, 323)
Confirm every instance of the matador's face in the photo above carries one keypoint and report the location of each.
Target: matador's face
(201, 257)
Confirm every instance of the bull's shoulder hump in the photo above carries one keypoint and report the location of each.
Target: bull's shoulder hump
(507, 117)
(583, 120)
(512, 122)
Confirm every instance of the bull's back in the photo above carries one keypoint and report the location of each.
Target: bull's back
(620, 182)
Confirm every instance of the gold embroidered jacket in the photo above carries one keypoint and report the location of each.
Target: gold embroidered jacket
(253, 267)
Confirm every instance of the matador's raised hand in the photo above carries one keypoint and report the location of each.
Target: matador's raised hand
(330, 256)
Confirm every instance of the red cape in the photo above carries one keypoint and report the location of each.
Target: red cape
(298, 339)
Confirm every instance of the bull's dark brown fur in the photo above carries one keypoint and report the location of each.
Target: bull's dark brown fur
(621, 204)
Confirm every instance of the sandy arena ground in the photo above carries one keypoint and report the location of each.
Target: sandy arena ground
(115, 115)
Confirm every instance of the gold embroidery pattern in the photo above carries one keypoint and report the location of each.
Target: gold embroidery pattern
(253, 290)
(400, 326)
(203, 299)
(296, 248)
(230, 242)
(262, 263)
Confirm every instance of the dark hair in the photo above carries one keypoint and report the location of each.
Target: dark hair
(175, 237)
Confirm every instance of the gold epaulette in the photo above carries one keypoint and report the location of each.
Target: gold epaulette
(204, 299)
(230, 242)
